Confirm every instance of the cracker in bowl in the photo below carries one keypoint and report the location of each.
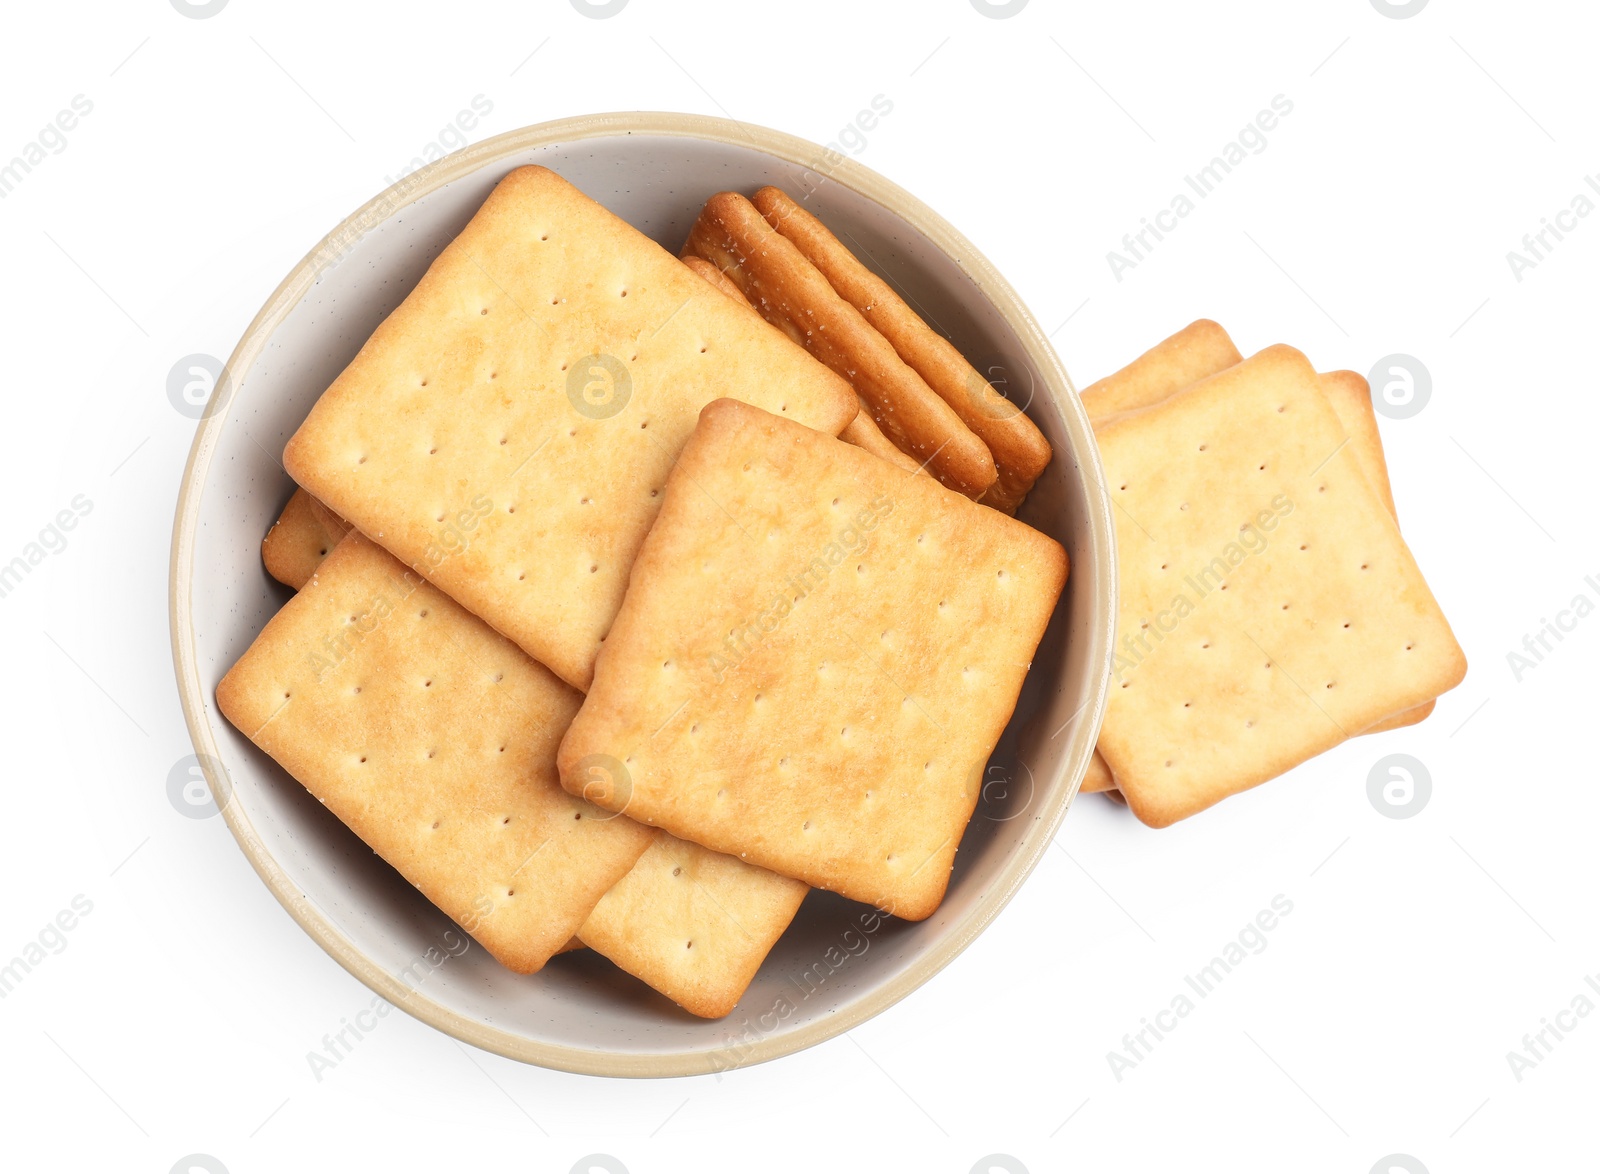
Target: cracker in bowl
(507, 430)
(433, 739)
(815, 658)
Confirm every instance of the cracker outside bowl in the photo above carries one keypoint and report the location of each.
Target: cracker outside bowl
(838, 965)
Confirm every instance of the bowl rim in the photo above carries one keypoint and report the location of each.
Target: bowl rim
(841, 170)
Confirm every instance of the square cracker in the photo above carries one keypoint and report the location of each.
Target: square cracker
(693, 923)
(791, 293)
(1351, 399)
(816, 656)
(1238, 658)
(507, 430)
(434, 740)
(1201, 350)
(1020, 450)
(307, 530)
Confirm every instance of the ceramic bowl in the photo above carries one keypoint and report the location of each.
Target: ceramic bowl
(831, 970)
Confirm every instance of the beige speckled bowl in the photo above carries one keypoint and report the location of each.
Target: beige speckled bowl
(580, 1013)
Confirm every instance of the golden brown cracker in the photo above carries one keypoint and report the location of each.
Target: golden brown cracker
(1203, 349)
(1268, 606)
(817, 654)
(1020, 450)
(790, 292)
(507, 430)
(1351, 399)
(434, 740)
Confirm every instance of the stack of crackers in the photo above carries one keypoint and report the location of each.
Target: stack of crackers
(638, 596)
(915, 388)
(1268, 606)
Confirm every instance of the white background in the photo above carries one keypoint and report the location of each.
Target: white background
(1419, 952)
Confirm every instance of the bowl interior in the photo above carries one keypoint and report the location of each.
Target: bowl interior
(838, 963)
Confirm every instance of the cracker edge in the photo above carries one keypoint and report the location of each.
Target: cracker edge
(1020, 450)
(969, 468)
(568, 757)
